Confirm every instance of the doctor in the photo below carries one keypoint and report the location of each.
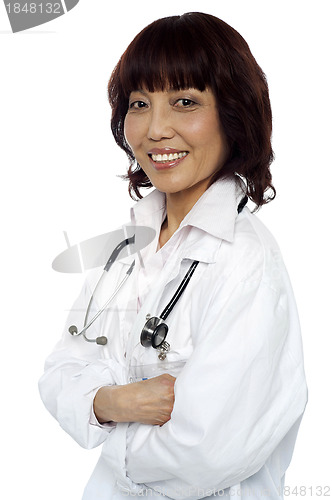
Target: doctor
(217, 410)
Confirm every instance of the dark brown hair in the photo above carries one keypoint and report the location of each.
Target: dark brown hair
(200, 51)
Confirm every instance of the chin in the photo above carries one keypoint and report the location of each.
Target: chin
(169, 188)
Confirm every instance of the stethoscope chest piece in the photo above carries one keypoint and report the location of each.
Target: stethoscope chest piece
(154, 332)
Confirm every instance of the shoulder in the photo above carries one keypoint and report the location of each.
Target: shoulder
(248, 278)
(252, 256)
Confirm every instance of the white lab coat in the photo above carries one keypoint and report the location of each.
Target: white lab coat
(235, 349)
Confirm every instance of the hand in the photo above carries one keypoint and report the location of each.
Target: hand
(148, 401)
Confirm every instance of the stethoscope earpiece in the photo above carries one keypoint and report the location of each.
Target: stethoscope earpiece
(73, 330)
(101, 340)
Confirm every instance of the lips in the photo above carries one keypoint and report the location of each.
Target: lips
(166, 157)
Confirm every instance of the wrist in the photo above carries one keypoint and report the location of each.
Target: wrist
(105, 404)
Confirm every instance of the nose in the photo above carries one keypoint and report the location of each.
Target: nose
(160, 124)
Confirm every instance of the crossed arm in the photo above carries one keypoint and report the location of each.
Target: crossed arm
(147, 402)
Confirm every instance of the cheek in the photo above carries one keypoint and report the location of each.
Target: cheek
(127, 129)
(203, 131)
(130, 131)
(213, 134)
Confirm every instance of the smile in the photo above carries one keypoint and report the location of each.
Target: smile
(165, 158)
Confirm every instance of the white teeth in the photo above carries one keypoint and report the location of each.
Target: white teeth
(170, 157)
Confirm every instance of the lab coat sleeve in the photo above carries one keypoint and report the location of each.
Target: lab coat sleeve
(239, 394)
(73, 374)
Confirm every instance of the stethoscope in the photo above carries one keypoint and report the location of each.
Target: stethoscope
(155, 330)
(73, 330)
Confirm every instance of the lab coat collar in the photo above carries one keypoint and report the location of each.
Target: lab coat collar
(213, 216)
(214, 212)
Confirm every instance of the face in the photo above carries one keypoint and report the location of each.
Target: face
(176, 138)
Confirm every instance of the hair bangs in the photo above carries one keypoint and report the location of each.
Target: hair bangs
(169, 57)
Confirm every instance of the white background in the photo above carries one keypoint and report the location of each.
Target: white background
(58, 172)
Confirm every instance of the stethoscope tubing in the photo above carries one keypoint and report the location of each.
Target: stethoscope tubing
(93, 319)
(168, 309)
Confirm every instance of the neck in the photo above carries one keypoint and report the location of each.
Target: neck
(178, 205)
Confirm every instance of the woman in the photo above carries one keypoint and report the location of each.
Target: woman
(215, 411)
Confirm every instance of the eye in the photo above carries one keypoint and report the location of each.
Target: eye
(137, 105)
(185, 103)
